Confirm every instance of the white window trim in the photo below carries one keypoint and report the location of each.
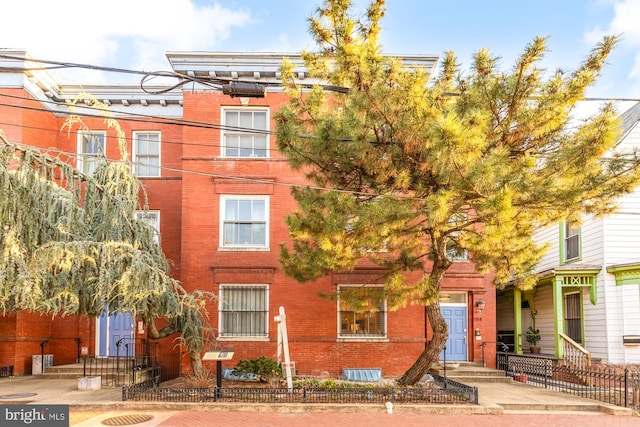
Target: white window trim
(458, 256)
(223, 204)
(357, 338)
(134, 152)
(220, 313)
(223, 132)
(156, 212)
(80, 148)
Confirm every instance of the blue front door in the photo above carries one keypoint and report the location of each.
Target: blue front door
(114, 329)
(456, 318)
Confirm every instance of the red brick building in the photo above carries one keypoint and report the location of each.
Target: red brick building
(218, 194)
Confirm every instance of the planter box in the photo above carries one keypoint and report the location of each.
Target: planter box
(90, 383)
(522, 378)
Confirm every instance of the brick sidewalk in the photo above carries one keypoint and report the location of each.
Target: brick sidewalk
(262, 419)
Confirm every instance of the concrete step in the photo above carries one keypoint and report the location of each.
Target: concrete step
(568, 408)
(480, 379)
(71, 375)
(110, 376)
(64, 370)
(466, 372)
(77, 370)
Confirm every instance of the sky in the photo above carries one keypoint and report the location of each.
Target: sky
(136, 34)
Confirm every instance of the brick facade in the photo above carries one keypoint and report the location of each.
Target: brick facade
(188, 195)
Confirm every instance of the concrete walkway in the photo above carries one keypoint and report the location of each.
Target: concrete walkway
(494, 398)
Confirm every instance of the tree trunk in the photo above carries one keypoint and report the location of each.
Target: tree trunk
(170, 329)
(432, 352)
(196, 363)
(439, 326)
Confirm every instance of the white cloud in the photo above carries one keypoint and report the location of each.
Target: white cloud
(124, 33)
(624, 24)
(635, 71)
(282, 44)
(625, 21)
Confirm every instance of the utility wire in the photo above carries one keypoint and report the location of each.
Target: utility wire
(156, 119)
(62, 65)
(215, 83)
(141, 118)
(212, 175)
(211, 82)
(144, 118)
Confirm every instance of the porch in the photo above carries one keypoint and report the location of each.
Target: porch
(548, 320)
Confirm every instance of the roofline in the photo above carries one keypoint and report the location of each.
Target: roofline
(263, 66)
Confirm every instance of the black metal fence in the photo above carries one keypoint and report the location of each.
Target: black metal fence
(615, 385)
(138, 362)
(6, 371)
(446, 392)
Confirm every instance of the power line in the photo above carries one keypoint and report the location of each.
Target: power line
(142, 118)
(215, 83)
(62, 65)
(212, 175)
(145, 118)
(160, 119)
(230, 86)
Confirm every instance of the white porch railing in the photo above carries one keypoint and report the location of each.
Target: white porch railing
(575, 356)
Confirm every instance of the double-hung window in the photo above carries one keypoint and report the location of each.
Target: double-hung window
(91, 150)
(362, 312)
(571, 241)
(146, 153)
(245, 132)
(245, 222)
(244, 311)
(456, 253)
(152, 218)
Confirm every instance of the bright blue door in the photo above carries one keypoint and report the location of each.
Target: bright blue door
(456, 318)
(114, 328)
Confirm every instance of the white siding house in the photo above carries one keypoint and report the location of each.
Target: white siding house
(592, 295)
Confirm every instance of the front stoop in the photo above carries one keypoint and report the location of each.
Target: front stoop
(76, 371)
(468, 372)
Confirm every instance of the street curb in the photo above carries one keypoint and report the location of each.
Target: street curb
(468, 409)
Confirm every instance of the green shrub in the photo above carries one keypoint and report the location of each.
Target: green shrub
(262, 369)
(329, 384)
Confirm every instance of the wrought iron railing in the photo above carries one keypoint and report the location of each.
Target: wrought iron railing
(448, 392)
(135, 362)
(6, 371)
(616, 385)
(113, 371)
(516, 364)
